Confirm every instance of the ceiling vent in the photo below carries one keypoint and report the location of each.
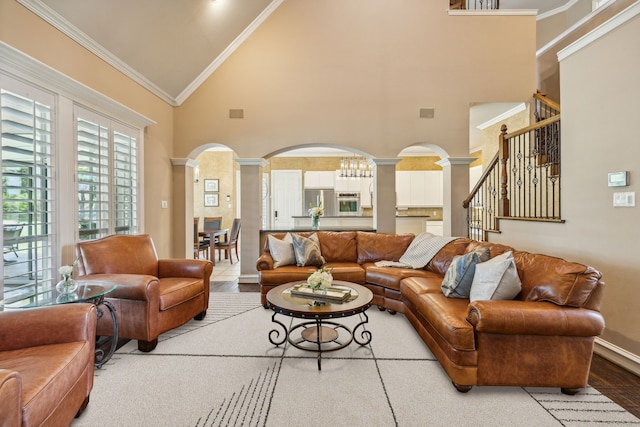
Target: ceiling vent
(427, 113)
(237, 113)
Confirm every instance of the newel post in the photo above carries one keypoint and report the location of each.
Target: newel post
(503, 205)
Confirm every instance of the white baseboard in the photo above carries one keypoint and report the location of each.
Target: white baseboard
(617, 355)
(248, 278)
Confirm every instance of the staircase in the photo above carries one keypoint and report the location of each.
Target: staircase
(474, 4)
(522, 181)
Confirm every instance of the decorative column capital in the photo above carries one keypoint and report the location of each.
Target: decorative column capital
(453, 161)
(252, 162)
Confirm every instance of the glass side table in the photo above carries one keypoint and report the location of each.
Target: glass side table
(92, 292)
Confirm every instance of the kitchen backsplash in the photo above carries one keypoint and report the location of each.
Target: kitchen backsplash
(432, 213)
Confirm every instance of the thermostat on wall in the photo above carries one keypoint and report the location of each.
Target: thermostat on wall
(618, 179)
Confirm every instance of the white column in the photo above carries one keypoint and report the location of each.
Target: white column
(182, 221)
(384, 195)
(250, 214)
(456, 189)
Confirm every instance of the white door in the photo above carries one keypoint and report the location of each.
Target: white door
(286, 197)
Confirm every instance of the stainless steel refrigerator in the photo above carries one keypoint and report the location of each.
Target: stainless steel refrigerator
(326, 197)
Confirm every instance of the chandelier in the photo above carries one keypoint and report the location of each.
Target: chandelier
(355, 167)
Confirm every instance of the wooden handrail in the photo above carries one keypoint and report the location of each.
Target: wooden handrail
(543, 98)
(535, 126)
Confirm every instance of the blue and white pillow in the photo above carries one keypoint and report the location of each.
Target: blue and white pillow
(458, 278)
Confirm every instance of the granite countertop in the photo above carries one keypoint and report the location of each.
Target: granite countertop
(334, 216)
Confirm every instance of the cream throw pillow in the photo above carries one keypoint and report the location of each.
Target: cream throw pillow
(496, 279)
(281, 250)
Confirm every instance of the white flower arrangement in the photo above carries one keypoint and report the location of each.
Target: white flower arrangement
(321, 279)
(67, 270)
(316, 211)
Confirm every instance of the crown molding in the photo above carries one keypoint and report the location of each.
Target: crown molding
(601, 31)
(20, 65)
(235, 44)
(53, 18)
(497, 119)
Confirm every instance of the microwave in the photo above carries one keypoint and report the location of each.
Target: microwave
(348, 204)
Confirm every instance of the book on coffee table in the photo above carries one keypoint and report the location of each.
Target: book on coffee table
(333, 294)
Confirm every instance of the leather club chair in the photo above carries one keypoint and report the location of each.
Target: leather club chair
(152, 295)
(46, 364)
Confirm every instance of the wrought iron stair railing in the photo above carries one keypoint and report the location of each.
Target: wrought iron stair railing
(474, 4)
(522, 181)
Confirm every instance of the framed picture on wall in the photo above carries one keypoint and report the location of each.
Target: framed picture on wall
(210, 185)
(211, 199)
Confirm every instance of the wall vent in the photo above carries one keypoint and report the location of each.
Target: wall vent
(237, 113)
(427, 113)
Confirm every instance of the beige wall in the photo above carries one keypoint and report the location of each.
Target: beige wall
(554, 25)
(326, 73)
(490, 135)
(28, 33)
(548, 70)
(217, 165)
(599, 135)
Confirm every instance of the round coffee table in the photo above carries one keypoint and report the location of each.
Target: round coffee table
(320, 333)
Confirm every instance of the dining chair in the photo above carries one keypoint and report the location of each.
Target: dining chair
(231, 242)
(212, 223)
(199, 245)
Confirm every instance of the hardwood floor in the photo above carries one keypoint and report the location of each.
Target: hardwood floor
(618, 384)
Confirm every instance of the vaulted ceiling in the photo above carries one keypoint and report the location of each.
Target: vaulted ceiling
(171, 46)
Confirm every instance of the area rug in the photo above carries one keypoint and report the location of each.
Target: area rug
(223, 371)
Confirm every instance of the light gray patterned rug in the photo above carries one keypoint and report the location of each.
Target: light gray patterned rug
(223, 371)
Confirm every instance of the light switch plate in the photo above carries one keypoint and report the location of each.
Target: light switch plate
(624, 200)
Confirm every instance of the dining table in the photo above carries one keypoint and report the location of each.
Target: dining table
(213, 234)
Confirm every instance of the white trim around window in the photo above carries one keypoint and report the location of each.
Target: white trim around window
(69, 95)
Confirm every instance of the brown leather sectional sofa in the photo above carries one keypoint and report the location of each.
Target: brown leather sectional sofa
(542, 338)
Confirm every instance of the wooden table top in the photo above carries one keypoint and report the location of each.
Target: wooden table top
(281, 301)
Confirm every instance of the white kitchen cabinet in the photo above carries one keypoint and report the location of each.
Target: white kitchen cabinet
(319, 179)
(435, 227)
(433, 192)
(346, 184)
(403, 188)
(419, 189)
(366, 188)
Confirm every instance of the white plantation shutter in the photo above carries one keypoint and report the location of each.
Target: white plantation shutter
(93, 178)
(28, 189)
(125, 181)
(107, 176)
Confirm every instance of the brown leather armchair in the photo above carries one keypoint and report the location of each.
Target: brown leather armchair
(153, 296)
(46, 364)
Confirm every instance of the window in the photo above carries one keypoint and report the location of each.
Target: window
(28, 189)
(107, 176)
(69, 160)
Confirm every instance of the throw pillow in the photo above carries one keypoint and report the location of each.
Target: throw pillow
(281, 250)
(307, 250)
(496, 279)
(458, 278)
